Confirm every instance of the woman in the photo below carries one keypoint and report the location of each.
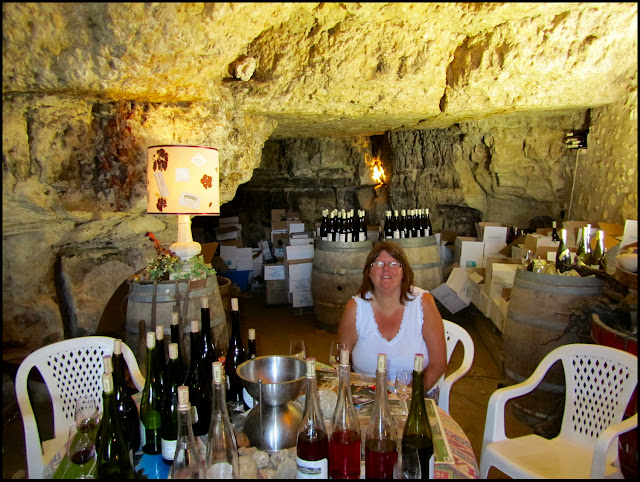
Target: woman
(391, 316)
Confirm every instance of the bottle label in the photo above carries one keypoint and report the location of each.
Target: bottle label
(168, 448)
(396, 235)
(325, 238)
(312, 469)
(361, 237)
(342, 238)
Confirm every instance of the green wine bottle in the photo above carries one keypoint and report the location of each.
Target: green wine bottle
(599, 252)
(169, 420)
(161, 358)
(126, 405)
(563, 258)
(417, 431)
(113, 459)
(150, 417)
(583, 253)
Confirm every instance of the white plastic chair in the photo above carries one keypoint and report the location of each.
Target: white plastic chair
(599, 384)
(69, 368)
(453, 334)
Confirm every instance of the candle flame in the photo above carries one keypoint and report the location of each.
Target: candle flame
(377, 172)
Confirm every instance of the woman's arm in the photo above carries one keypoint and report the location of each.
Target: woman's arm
(347, 332)
(433, 333)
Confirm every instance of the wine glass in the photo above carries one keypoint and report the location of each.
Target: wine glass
(86, 412)
(296, 348)
(81, 449)
(334, 353)
(527, 258)
(403, 385)
(407, 465)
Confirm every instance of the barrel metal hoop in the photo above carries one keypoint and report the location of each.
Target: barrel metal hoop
(415, 267)
(562, 290)
(547, 387)
(337, 271)
(537, 322)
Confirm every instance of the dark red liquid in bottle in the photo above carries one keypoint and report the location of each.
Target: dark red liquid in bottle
(380, 459)
(313, 449)
(82, 456)
(344, 455)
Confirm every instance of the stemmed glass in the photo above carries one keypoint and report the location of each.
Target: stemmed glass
(296, 348)
(86, 412)
(334, 353)
(81, 449)
(407, 465)
(403, 385)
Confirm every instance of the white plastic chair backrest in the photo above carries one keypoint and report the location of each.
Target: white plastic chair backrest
(600, 381)
(69, 368)
(454, 333)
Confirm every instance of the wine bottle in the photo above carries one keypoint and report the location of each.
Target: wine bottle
(222, 449)
(161, 358)
(583, 253)
(235, 356)
(554, 232)
(362, 227)
(414, 223)
(599, 252)
(125, 404)
(186, 458)
(417, 431)
(150, 417)
(175, 338)
(428, 230)
(380, 442)
(402, 224)
(169, 409)
(113, 458)
(388, 231)
(395, 224)
(208, 355)
(344, 443)
(563, 258)
(332, 232)
(341, 226)
(196, 382)
(323, 225)
(312, 447)
(251, 344)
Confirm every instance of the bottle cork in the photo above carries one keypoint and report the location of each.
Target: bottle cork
(117, 347)
(107, 383)
(311, 367)
(173, 351)
(195, 326)
(175, 318)
(382, 362)
(151, 339)
(234, 304)
(107, 363)
(344, 357)
(159, 332)
(205, 302)
(418, 362)
(252, 334)
(216, 368)
(183, 395)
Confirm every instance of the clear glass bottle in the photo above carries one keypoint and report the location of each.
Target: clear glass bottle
(186, 459)
(312, 447)
(344, 442)
(417, 431)
(380, 453)
(583, 252)
(222, 449)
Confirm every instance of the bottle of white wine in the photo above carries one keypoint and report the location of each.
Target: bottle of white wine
(583, 253)
(563, 258)
(599, 252)
(186, 459)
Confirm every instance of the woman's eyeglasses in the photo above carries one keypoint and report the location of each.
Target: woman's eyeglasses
(390, 265)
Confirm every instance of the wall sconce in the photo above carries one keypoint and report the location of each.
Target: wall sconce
(183, 180)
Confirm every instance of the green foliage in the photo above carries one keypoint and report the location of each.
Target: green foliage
(164, 265)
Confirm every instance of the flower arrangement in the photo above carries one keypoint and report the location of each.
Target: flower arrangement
(166, 265)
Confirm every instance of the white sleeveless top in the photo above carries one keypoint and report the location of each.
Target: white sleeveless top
(400, 350)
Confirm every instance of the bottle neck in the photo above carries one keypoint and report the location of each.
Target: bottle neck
(417, 389)
(381, 387)
(235, 324)
(152, 366)
(311, 399)
(218, 398)
(185, 428)
(205, 317)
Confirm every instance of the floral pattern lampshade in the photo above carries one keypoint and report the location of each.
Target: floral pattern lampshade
(183, 180)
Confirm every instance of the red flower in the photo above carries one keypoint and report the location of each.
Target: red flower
(162, 202)
(206, 181)
(161, 161)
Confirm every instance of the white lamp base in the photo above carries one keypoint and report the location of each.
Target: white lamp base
(185, 247)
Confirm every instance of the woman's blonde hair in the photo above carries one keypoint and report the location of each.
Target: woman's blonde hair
(397, 253)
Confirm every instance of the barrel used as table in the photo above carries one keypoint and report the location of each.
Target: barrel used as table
(147, 300)
(424, 257)
(538, 316)
(335, 277)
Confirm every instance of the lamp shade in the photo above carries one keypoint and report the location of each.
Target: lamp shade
(183, 180)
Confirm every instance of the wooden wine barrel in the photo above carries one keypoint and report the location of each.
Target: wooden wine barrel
(335, 277)
(537, 318)
(161, 299)
(424, 257)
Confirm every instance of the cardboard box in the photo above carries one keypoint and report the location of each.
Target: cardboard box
(455, 294)
(232, 242)
(540, 245)
(274, 272)
(472, 254)
(227, 232)
(266, 250)
(295, 227)
(276, 292)
(630, 235)
(208, 251)
(494, 239)
(480, 229)
(502, 276)
(484, 303)
(244, 259)
(297, 285)
(300, 241)
(301, 299)
(498, 312)
(445, 237)
(458, 246)
(517, 251)
(279, 226)
(476, 284)
(278, 215)
(299, 252)
(572, 231)
(298, 268)
(228, 254)
(446, 254)
(229, 220)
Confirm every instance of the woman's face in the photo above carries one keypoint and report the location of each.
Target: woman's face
(386, 278)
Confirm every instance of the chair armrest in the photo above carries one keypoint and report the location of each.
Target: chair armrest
(599, 463)
(33, 447)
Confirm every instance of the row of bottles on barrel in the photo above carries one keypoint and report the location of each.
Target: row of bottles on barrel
(343, 226)
(159, 427)
(337, 454)
(407, 223)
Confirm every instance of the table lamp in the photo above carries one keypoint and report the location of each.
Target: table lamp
(183, 180)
